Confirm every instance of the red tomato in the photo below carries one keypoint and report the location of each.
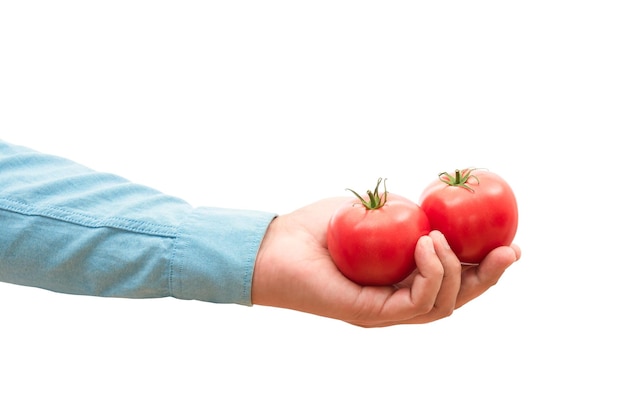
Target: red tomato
(372, 238)
(476, 211)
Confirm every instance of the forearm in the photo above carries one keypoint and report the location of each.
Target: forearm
(70, 229)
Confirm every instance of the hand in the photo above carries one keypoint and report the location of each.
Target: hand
(294, 270)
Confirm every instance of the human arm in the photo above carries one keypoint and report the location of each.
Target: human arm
(69, 229)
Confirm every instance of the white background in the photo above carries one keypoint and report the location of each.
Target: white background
(272, 105)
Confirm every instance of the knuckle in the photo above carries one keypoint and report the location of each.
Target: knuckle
(446, 311)
(423, 308)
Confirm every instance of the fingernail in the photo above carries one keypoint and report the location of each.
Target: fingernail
(442, 239)
(426, 243)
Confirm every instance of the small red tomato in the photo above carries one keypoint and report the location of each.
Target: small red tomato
(475, 210)
(372, 238)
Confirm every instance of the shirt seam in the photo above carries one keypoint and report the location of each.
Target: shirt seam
(176, 265)
(82, 219)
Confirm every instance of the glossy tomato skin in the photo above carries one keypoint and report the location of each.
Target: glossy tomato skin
(474, 221)
(376, 247)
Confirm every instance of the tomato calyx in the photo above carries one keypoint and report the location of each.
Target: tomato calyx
(460, 178)
(374, 199)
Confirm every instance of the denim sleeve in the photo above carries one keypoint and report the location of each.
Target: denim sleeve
(70, 229)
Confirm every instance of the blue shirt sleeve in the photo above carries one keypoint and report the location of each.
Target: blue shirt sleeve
(70, 229)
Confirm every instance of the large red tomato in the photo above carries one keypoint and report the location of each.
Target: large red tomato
(372, 238)
(476, 211)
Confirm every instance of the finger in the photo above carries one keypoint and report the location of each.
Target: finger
(475, 281)
(435, 288)
(478, 279)
(429, 278)
(376, 306)
(406, 303)
(451, 283)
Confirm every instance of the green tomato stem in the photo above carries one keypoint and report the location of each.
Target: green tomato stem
(460, 178)
(374, 201)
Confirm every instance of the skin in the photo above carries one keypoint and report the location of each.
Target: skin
(294, 271)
